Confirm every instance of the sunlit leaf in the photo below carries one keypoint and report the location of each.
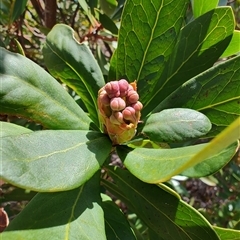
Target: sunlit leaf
(230, 135)
(29, 91)
(49, 161)
(199, 7)
(215, 92)
(74, 214)
(177, 124)
(234, 45)
(227, 234)
(75, 65)
(9, 129)
(200, 44)
(162, 212)
(159, 165)
(146, 40)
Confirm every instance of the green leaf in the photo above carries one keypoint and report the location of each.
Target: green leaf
(227, 234)
(113, 66)
(214, 92)
(52, 160)
(230, 135)
(234, 46)
(116, 224)
(145, 43)
(162, 212)
(212, 165)
(9, 129)
(74, 64)
(17, 8)
(108, 6)
(74, 214)
(146, 143)
(108, 23)
(200, 44)
(176, 125)
(159, 165)
(199, 7)
(29, 91)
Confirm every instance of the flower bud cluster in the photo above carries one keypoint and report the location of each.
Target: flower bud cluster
(119, 110)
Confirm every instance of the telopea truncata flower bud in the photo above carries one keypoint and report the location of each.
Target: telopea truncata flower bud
(119, 110)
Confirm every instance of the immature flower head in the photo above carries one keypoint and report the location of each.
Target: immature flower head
(119, 110)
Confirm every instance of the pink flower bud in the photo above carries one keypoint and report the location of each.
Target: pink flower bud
(129, 114)
(103, 98)
(116, 118)
(123, 87)
(119, 110)
(137, 106)
(117, 104)
(112, 89)
(132, 96)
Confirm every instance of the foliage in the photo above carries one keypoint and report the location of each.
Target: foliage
(190, 96)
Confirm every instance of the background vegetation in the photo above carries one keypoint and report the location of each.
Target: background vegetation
(24, 27)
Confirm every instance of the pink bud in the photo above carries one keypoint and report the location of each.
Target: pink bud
(103, 98)
(117, 104)
(137, 106)
(129, 114)
(132, 96)
(112, 89)
(116, 118)
(123, 87)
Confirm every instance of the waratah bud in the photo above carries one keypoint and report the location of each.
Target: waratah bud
(104, 99)
(132, 96)
(117, 104)
(123, 87)
(119, 110)
(129, 114)
(117, 118)
(137, 106)
(112, 89)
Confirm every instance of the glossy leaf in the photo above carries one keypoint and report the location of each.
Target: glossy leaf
(230, 135)
(215, 93)
(199, 7)
(116, 224)
(175, 125)
(145, 43)
(227, 234)
(200, 44)
(75, 65)
(159, 165)
(234, 46)
(29, 91)
(52, 160)
(212, 165)
(108, 23)
(162, 212)
(10, 129)
(74, 214)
